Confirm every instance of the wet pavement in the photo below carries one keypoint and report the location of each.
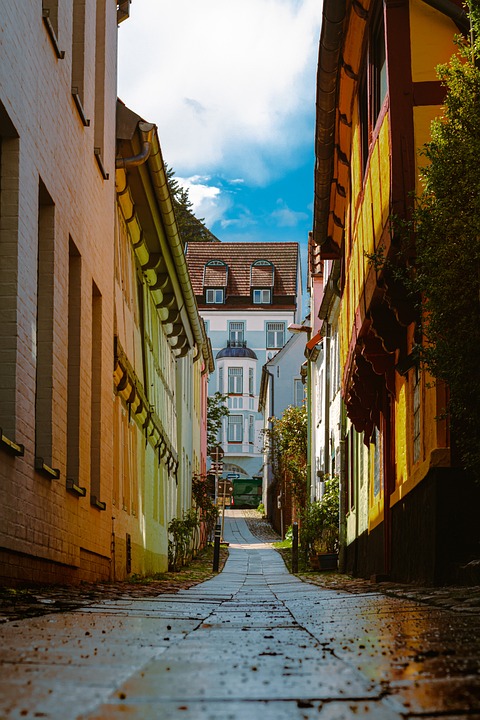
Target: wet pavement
(252, 642)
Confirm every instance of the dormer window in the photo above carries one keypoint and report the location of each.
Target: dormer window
(215, 296)
(262, 278)
(262, 296)
(215, 277)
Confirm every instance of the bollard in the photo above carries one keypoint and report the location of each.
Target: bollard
(295, 548)
(216, 548)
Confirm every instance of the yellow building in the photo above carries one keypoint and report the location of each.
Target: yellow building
(407, 510)
(162, 358)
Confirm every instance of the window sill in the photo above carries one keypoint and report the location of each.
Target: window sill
(43, 469)
(75, 489)
(98, 504)
(79, 106)
(10, 445)
(52, 34)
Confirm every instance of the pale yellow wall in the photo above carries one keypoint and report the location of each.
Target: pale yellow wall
(431, 40)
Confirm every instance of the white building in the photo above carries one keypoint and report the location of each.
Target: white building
(248, 294)
(281, 385)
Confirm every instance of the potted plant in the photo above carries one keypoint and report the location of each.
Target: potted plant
(320, 527)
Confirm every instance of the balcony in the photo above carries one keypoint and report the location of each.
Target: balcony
(236, 343)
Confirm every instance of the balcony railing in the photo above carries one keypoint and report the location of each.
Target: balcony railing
(236, 343)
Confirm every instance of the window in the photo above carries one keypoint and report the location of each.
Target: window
(237, 333)
(275, 335)
(251, 429)
(262, 296)
(377, 441)
(235, 429)
(352, 466)
(9, 270)
(251, 389)
(214, 296)
(96, 401)
(50, 20)
(235, 381)
(372, 86)
(73, 369)
(100, 61)
(45, 329)
(78, 58)
(378, 69)
(262, 274)
(220, 379)
(298, 393)
(215, 278)
(416, 415)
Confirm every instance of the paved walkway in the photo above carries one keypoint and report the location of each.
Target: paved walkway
(253, 642)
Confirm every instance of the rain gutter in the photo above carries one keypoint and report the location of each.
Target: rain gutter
(162, 191)
(331, 40)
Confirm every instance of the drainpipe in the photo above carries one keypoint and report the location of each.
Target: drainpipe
(327, 397)
(309, 430)
(268, 510)
(343, 495)
(146, 131)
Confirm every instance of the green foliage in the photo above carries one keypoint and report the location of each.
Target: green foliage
(204, 503)
(216, 411)
(447, 223)
(319, 530)
(182, 531)
(191, 229)
(286, 441)
(261, 508)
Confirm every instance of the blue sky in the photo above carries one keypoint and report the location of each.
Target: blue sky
(231, 88)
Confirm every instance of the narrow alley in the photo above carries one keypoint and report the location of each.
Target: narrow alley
(253, 642)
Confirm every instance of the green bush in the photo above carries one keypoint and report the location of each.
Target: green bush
(319, 528)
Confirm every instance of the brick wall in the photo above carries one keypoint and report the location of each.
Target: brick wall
(46, 531)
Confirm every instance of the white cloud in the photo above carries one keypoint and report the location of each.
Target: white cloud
(285, 217)
(230, 84)
(208, 201)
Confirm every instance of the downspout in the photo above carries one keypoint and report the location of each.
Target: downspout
(342, 550)
(272, 414)
(327, 397)
(309, 430)
(146, 132)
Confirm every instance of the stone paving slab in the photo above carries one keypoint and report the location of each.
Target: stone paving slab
(183, 679)
(245, 710)
(253, 642)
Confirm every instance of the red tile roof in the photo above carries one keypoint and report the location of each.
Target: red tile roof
(239, 257)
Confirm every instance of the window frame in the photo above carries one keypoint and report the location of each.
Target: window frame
(215, 301)
(373, 85)
(269, 329)
(236, 335)
(234, 429)
(235, 381)
(265, 297)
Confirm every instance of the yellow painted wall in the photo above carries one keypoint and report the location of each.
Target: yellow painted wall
(431, 40)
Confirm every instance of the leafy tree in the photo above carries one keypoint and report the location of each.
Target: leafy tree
(216, 411)
(191, 228)
(447, 223)
(286, 441)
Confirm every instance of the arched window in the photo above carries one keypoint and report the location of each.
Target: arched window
(215, 278)
(262, 278)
